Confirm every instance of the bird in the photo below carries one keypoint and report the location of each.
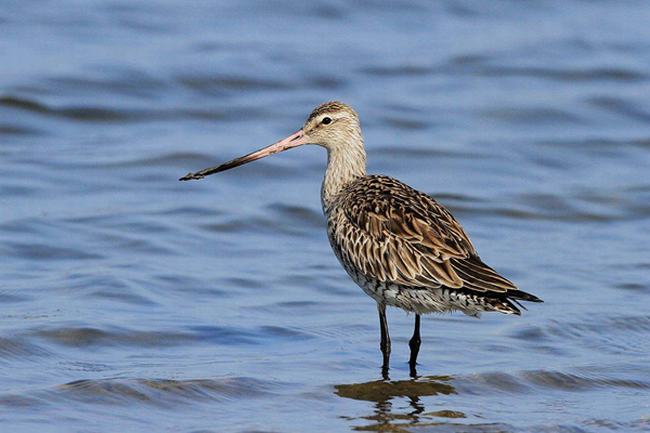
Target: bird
(402, 247)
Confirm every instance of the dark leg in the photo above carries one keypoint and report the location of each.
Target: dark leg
(414, 344)
(385, 338)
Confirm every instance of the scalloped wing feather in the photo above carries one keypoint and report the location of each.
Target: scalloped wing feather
(397, 234)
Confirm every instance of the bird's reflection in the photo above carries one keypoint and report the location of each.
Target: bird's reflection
(390, 417)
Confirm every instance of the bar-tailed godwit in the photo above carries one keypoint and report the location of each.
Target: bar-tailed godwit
(403, 248)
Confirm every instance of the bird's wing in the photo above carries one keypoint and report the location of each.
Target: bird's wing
(397, 234)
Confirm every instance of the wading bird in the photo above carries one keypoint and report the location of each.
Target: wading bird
(402, 247)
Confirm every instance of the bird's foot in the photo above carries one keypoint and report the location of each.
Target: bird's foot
(413, 372)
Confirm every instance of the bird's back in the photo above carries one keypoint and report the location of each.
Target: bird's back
(406, 250)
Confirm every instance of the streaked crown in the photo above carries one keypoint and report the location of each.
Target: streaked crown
(332, 107)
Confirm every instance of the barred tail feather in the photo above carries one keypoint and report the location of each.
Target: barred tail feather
(523, 296)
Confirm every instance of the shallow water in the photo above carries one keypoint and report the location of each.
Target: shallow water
(134, 302)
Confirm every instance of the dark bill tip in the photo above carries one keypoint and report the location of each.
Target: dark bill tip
(192, 176)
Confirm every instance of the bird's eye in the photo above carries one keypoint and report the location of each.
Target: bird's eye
(326, 120)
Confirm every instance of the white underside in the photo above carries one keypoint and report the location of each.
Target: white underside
(421, 300)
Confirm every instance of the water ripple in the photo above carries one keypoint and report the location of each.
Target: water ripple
(86, 336)
(158, 392)
(79, 113)
(569, 75)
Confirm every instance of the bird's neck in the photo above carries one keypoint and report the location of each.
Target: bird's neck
(344, 166)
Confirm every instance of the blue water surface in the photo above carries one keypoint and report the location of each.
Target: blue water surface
(132, 302)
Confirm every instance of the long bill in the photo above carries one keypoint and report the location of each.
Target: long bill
(294, 140)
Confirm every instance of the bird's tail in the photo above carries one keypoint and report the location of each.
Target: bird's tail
(506, 304)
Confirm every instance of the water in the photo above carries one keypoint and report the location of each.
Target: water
(133, 302)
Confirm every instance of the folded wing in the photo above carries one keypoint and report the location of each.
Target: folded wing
(397, 234)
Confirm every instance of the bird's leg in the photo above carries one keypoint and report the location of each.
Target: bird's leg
(414, 344)
(385, 338)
